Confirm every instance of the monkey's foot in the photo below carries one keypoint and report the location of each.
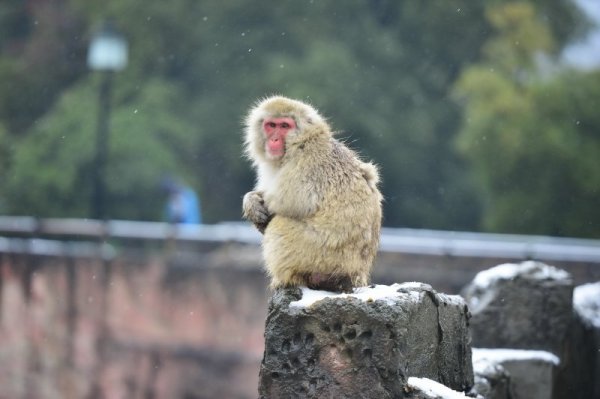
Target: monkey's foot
(329, 282)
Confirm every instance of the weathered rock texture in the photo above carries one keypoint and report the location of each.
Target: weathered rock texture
(362, 347)
(521, 306)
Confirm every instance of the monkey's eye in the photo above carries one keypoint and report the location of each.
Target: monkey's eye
(271, 124)
(285, 125)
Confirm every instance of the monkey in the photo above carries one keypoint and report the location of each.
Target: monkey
(317, 204)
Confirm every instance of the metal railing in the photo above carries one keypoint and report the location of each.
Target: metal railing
(42, 236)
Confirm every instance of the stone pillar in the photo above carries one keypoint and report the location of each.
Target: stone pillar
(365, 344)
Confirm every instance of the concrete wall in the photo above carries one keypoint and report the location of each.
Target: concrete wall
(450, 274)
(143, 327)
(161, 320)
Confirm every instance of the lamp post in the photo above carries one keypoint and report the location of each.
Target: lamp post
(107, 53)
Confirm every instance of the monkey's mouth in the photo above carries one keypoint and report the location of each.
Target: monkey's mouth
(275, 155)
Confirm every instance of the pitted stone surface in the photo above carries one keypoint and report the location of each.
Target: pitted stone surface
(362, 347)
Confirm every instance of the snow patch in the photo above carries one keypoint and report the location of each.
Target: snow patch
(586, 300)
(456, 300)
(387, 293)
(528, 269)
(484, 366)
(481, 356)
(435, 389)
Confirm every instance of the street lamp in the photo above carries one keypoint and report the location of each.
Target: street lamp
(107, 53)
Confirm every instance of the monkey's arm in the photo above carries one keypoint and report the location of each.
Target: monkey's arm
(255, 210)
(299, 191)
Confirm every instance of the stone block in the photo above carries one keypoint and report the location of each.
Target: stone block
(521, 306)
(531, 371)
(365, 344)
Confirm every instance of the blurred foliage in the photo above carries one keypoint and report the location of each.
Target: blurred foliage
(533, 139)
(382, 71)
(41, 53)
(51, 170)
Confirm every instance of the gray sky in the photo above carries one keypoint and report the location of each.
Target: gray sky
(585, 54)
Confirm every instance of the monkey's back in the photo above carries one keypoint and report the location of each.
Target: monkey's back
(338, 233)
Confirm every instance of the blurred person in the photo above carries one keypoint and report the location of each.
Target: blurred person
(183, 205)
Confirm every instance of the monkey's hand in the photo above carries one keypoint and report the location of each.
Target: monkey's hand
(255, 210)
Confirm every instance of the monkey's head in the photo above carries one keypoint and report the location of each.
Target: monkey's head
(278, 123)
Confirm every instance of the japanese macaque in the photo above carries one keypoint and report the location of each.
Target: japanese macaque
(315, 201)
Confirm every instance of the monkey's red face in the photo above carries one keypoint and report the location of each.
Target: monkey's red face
(276, 131)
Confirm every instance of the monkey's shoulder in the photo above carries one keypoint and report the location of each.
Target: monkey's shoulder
(330, 167)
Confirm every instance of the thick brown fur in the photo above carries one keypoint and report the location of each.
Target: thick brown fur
(318, 204)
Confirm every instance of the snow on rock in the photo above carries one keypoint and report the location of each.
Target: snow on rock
(434, 389)
(492, 380)
(390, 294)
(586, 300)
(485, 365)
(452, 299)
(528, 269)
(483, 357)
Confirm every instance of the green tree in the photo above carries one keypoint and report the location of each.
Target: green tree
(381, 70)
(532, 137)
(40, 54)
(51, 168)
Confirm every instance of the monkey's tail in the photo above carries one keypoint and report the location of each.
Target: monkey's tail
(370, 174)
